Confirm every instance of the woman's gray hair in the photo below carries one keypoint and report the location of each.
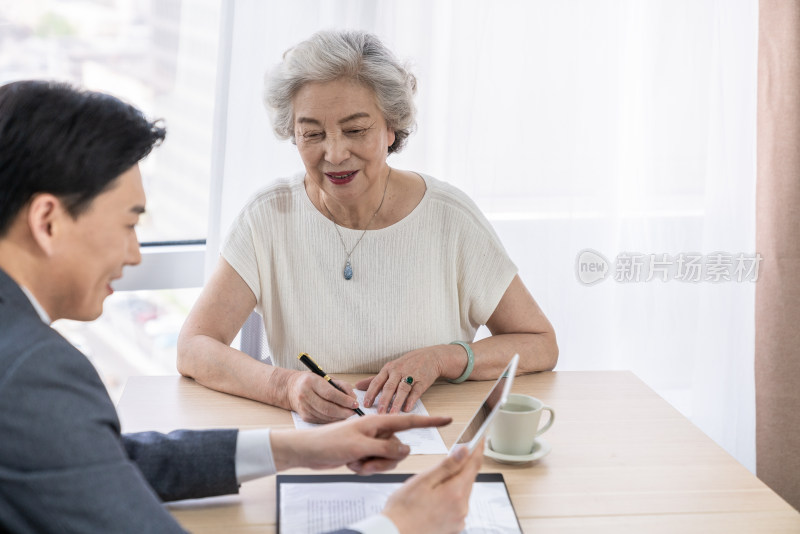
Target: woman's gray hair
(331, 55)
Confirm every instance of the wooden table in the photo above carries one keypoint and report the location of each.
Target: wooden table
(623, 460)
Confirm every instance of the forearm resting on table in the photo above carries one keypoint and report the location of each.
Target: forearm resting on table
(223, 368)
(537, 352)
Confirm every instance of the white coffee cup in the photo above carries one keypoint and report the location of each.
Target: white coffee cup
(516, 426)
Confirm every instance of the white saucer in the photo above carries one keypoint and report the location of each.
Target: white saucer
(540, 449)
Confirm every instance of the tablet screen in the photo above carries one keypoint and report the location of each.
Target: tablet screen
(479, 423)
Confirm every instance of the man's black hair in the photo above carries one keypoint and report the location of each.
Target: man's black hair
(71, 143)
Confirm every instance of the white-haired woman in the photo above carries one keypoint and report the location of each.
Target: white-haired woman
(368, 268)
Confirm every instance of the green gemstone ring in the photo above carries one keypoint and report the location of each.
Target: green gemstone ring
(409, 380)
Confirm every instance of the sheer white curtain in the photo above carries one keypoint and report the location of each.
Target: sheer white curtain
(617, 126)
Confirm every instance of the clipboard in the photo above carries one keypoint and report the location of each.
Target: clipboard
(330, 502)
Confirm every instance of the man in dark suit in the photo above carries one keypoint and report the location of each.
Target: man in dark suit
(70, 197)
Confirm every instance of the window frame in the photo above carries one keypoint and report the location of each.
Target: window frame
(188, 264)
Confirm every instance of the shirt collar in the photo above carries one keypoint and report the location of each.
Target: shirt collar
(36, 306)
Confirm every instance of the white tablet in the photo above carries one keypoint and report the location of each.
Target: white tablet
(480, 422)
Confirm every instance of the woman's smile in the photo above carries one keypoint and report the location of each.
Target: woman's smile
(341, 178)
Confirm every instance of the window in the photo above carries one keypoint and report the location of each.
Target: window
(160, 56)
(136, 335)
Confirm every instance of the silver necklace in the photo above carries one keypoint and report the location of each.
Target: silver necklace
(348, 268)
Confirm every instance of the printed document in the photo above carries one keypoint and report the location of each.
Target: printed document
(322, 507)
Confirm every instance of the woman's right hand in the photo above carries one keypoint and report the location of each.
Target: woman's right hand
(317, 401)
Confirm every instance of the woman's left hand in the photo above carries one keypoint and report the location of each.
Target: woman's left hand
(422, 365)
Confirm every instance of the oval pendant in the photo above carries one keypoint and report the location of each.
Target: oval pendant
(348, 271)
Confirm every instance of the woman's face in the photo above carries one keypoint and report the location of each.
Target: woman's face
(342, 138)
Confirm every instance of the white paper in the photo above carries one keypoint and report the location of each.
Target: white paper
(321, 507)
(421, 440)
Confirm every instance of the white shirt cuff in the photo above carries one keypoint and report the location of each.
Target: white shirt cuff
(253, 455)
(377, 524)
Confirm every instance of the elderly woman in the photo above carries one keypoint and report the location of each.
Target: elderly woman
(368, 268)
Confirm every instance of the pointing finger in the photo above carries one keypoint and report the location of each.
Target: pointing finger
(386, 425)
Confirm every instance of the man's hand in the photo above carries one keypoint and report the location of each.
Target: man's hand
(437, 501)
(366, 444)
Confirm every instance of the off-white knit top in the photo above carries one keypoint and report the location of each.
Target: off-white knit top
(431, 278)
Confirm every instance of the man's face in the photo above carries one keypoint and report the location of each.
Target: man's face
(92, 249)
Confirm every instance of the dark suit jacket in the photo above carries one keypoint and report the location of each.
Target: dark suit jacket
(64, 467)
